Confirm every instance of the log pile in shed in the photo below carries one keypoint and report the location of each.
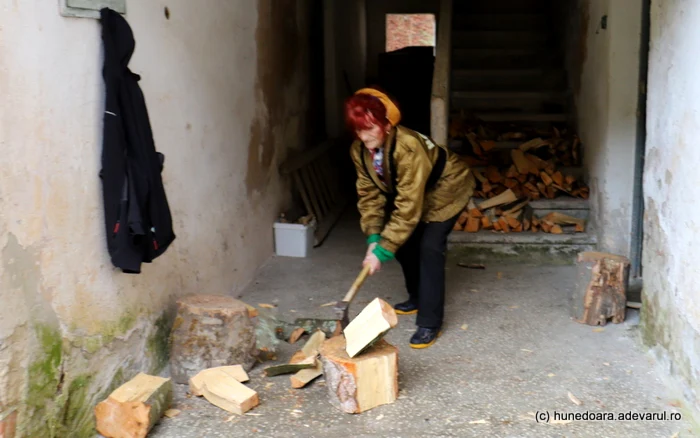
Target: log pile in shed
(514, 165)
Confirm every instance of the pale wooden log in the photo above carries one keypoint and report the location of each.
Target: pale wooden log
(600, 292)
(373, 322)
(516, 208)
(563, 219)
(303, 377)
(301, 360)
(358, 384)
(504, 198)
(532, 144)
(288, 368)
(134, 408)
(234, 371)
(229, 394)
(210, 331)
(473, 224)
(313, 344)
(523, 164)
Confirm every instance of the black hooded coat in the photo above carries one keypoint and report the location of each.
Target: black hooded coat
(138, 222)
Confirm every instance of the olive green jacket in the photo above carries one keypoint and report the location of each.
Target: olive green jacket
(414, 157)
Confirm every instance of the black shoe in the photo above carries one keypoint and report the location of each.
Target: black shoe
(406, 308)
(424, 337)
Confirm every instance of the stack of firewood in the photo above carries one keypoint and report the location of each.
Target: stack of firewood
(510, 175)
(540, 154)
(529, 176)
(508, 213)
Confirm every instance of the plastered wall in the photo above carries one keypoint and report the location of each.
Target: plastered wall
(227, 91)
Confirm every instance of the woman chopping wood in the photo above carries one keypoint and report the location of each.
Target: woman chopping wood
(411, 192)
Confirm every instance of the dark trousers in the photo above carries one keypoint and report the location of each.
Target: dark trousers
(422, 259)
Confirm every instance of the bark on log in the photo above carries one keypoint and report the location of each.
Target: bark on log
(601, 288)
(134, 408)
(210, 331)
(361, 383)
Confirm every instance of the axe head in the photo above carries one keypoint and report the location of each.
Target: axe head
(341, 313)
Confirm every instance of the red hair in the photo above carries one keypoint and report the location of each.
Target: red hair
(362, 111)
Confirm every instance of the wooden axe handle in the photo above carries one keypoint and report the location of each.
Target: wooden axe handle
(357, 284)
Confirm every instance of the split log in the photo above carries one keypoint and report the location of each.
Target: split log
(289, 368)
(601, 288)
(473, 224)
(563, 219)
(358, 384)
(546, 226)
(516, 208)
(546, 179)
(542, 188)
(504, 198)
(510, 182)
(304, 377)
(558, 178)
(523, 164)
(537, 161)
(503, 224)
(235, 372)
(226, 392)
(532, 144)
(310, 351)
(135, 407)
(314, 343)
(463, 218)
(302, 360)
(513, 223)
(493, 175)
(472, 209)
(551, 192)
(373, 322)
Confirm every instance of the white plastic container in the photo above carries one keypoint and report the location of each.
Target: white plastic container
(294, 240)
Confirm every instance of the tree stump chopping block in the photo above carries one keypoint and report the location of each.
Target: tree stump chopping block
(361, 383)
(600, 292)
(210, 331)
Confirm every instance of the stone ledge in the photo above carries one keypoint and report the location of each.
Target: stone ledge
(521, 238)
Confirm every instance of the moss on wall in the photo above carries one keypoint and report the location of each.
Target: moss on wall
(108, 333)
(159, 343)
(61, 394)
(45, 378)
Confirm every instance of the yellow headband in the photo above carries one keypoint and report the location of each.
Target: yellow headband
(392, 112)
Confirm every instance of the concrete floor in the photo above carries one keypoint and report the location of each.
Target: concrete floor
(509, 351)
